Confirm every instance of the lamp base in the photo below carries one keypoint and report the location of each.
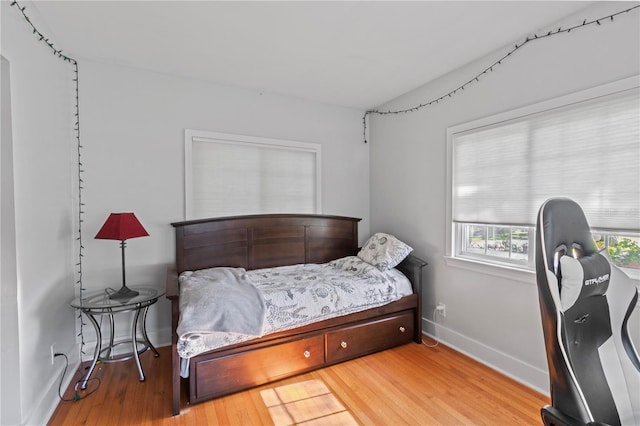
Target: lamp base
(124, 293)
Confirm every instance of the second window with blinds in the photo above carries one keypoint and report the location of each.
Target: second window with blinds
(584, 146)
(229, 175)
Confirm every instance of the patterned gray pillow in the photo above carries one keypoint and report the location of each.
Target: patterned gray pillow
(354, 265)
(384, 251)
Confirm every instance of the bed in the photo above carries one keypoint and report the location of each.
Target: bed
(256, 242)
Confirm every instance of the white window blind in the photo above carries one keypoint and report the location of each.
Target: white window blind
(236, 175)
(588, 151)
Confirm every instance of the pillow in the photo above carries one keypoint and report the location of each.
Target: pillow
(354, 265)
(384, 251)
(583, 277)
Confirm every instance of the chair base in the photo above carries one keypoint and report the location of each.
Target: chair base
(551, 416)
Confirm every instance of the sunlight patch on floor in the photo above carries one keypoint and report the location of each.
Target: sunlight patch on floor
(305, 403)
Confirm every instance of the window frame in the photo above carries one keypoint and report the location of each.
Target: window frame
(452, 237)
(191, 136)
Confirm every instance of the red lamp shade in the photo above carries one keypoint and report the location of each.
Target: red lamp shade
(121, 226)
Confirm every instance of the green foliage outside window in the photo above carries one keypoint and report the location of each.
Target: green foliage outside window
(625, 252)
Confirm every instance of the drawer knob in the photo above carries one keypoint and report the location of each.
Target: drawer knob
(307, 354)
(343, 344)
(402, 329)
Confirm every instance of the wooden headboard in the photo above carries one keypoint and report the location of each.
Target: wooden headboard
(262, 241)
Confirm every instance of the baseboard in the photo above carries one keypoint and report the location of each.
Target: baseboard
(161, 338)
(518, 370)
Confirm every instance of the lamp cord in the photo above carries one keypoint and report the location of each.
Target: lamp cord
(76, 396)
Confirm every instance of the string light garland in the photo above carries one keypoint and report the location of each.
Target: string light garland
(76, 128)
(491, 67)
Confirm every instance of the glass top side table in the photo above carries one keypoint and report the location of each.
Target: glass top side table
(98, 303)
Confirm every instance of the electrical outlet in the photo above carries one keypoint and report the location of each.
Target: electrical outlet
(442, 309)
(53, 353)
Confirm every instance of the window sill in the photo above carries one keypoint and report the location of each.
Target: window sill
(502, 271)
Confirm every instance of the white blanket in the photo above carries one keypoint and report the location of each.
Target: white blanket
(203, 310)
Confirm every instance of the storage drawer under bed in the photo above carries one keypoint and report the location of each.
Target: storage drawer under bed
(243, 370)
(361, 339)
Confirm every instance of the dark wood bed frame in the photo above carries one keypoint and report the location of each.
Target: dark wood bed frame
(261, 241)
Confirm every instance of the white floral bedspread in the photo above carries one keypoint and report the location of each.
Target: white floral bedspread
(298, 295)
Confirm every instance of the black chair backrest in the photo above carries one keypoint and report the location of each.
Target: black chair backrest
(584, 316)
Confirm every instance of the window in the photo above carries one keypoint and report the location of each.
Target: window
(497, 243)
(227, 175)
(623, 249)
(584, 146)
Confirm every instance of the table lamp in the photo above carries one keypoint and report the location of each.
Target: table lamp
(122, 226)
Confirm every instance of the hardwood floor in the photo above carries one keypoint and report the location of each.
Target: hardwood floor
(412, 384)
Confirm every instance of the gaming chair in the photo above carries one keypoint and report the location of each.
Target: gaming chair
(585, 304)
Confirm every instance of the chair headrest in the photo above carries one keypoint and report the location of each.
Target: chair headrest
(582, 277)
(564, 223)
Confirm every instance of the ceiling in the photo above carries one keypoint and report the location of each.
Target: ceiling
(356, 54)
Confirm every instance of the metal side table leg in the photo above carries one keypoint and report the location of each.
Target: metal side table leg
(134, 343)
(112, 332)
(96, 353)
(144, 333)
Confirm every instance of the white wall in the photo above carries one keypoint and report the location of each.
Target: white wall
(9, 353)
(42, 254)
(493, 318)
